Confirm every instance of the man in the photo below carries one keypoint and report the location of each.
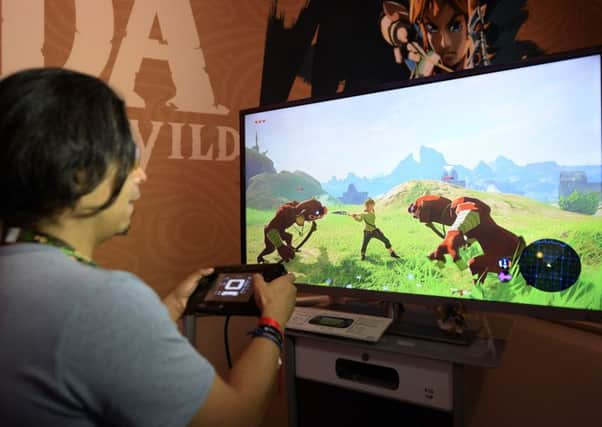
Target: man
(81, 345)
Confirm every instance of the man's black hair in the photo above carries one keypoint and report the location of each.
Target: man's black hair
(60, 132)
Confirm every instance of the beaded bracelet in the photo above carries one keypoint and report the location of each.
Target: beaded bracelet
(268, 321)
(269, 332)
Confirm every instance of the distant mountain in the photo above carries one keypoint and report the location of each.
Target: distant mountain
(353, 197)
(429, 166)
(538, 181)
(503, 165)
(482, 171)
(267, 189)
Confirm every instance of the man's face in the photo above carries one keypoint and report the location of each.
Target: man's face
(116, 218)
(446, 32)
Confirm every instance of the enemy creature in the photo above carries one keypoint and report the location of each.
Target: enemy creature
(292, 213)
(469, 220)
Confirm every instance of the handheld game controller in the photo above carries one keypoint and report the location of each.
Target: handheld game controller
(229, 290)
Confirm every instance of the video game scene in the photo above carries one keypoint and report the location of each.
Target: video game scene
(483, 187)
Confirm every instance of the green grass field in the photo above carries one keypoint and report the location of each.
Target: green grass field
(331, 257)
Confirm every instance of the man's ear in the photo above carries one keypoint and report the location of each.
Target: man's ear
(79, 178)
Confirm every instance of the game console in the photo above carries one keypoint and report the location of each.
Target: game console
(342, 324)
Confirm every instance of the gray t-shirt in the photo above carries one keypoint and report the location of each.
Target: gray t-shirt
(84, 346)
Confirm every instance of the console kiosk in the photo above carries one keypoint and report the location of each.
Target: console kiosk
(355, 382)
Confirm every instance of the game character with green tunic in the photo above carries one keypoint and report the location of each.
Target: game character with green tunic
(370, 229)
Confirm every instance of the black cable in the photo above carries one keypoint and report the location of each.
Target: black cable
(226, 342)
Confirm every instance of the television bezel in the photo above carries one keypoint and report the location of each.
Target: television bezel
(549, 312)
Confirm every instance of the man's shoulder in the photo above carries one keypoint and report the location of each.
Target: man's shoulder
(32, 269)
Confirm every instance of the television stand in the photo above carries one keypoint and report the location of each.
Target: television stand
(420, 381)
(415, 380)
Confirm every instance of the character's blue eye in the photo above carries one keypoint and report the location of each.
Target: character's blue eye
(430, 28)
(455, 27)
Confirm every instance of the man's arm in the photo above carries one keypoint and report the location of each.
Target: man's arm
(242, 399)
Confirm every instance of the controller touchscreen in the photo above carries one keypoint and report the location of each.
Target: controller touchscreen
(235, 287)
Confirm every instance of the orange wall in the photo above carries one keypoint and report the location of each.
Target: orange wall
(550, 375)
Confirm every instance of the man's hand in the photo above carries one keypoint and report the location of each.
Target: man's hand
(178, 298)
(275, 299)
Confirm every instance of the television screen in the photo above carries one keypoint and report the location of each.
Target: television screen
(483, 186)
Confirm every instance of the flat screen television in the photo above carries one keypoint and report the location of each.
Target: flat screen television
(481, 186)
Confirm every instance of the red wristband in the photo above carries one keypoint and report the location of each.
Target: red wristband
(271, 322)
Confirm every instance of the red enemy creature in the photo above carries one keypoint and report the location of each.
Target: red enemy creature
(469, 220)
(276, 237)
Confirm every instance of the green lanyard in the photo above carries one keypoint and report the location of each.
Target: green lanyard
(30, 236)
